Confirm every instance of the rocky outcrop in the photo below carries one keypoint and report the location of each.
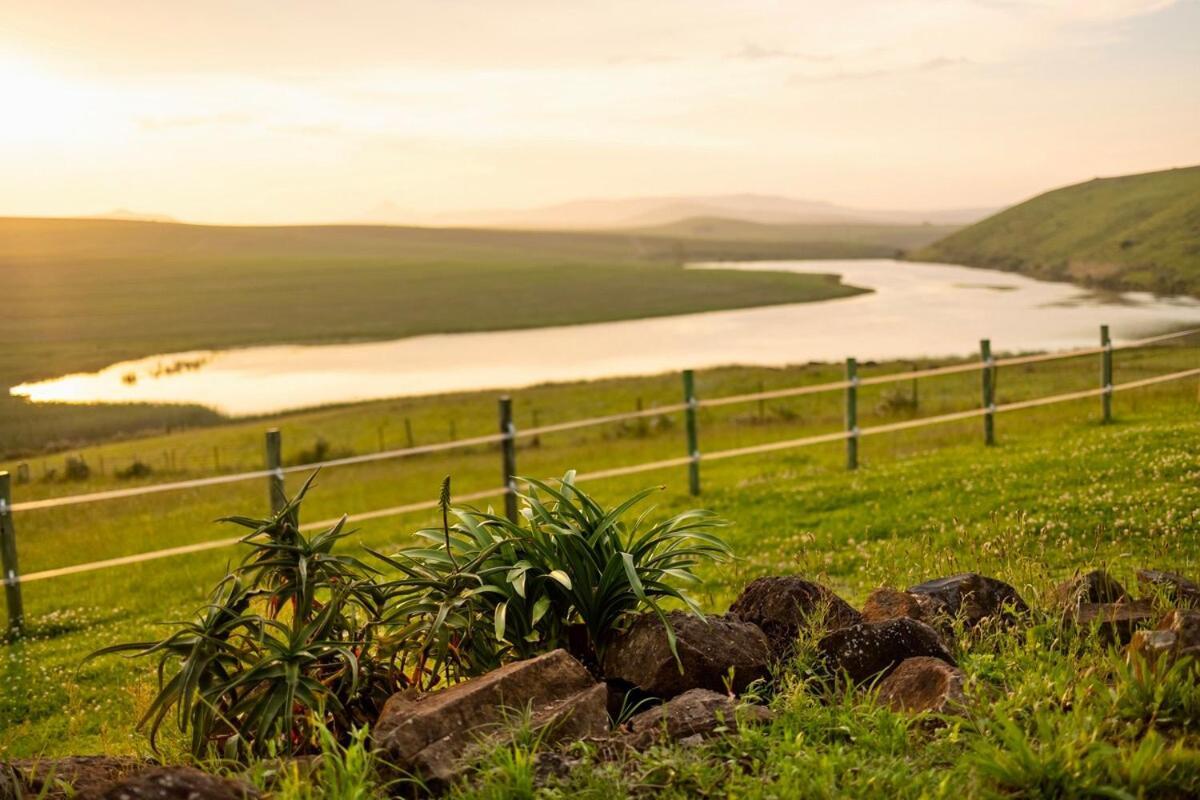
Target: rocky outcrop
(1096, 586)
(923, 684)
(1114, 622)
(872, 650)
(783, 606)
(712, 651)
(972, 598)
(1176, 589)
(178, 783)
(695, 713)
(429, 735)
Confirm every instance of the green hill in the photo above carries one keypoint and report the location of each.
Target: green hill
(1138, 232)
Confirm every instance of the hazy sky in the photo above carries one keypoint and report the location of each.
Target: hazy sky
(277, 111)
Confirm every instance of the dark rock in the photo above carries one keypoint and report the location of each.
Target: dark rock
(429, 735)
(1096, 586)
(873, 649)
(1177, 589)
(697, 712)
(1177, 636)
(710, 649)
(1114, 622)
(178, 783)
(84, 776)
(972, 598)
(785, 605)
(923, 684)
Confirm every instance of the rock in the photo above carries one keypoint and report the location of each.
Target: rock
(972, 598)
(785, 605)
(178, 783)
(696, 712)
(923, 684)
(1096, 586)
(1114, 622)
(1174, 587)
(1177, 636)
(429, 735)
(84, 776)
(872, 649)
(886, 603)
(710, 649)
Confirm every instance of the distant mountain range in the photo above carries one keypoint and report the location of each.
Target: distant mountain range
(134, 216)
(640, 212)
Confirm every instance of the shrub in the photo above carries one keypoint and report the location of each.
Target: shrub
(76, 469)
(136, 469)
(288, 639)
(487, 589)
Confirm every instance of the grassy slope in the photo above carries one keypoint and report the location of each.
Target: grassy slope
(1057, 493)
(80, 294)
(1132, 232)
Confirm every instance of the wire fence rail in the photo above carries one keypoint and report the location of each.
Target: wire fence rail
(508, 435)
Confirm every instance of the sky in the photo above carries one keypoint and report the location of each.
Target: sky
(268, 111)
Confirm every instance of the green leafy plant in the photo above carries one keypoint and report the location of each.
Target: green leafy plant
(486, 588)
(290, 636)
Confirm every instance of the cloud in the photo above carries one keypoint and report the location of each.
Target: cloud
(928, 65)
(756, 52)
(193, 121)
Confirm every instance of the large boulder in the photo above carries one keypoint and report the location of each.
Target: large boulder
(696, 712)
(84, 776)
(1177, 636)
(785, 605)
(972, 598)
(712, 650)
(923, 684)
(871, 650)
(178, 783)
(429, 735)
(1096, 586)
(1114, 622)
(1177, 589)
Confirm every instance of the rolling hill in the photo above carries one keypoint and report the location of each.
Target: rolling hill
(1135, 232)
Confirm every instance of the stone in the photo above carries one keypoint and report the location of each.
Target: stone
(1177, 636)
(178, 783)
(712, 650)
(1096, 586)
(1114, 622)
(886, 603)
(1174, 587)
(972, 598)
(923, 684)
(429, 735)
(85, 776)
(696, 712)
(873, 649)
(785, 605)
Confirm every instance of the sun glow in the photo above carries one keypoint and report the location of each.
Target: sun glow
(40, 106)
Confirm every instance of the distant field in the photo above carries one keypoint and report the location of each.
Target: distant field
(80, 294)
(1139, 232)
(889, 237)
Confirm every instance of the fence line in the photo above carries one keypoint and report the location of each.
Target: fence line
(719, 455)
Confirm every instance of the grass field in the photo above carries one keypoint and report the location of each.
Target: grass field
(1137, 232)
(82, 294)
(1059, 492)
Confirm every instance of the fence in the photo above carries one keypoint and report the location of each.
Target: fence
(508, 434)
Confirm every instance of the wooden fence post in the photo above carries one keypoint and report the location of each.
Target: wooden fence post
(275, 491)
(988, 383)
(1106, 375)
(693, 441)
(852, 414)
(508, 458)
(8, 559)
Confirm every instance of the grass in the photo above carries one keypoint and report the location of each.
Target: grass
(82, 294)
(1058, 492)
(1134, 232)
